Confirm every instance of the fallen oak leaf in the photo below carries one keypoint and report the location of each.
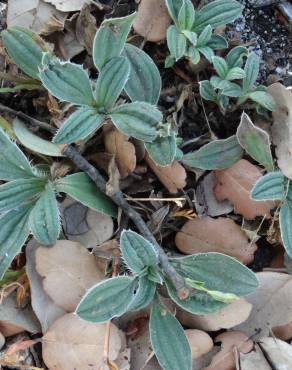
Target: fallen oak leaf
(207, 234)
(235, 184)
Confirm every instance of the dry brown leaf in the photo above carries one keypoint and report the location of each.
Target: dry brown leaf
(86, 28)
(272, 304)
(117, 143)
(209, 235)
(235, 183)
(152, 20)
(173, 177)
(231, 315)
(230, 342)
(283, 332)
(254, 360)
(282, 127)
(72, 343)
(200, 342)
(71, 264)
(68, 5)
(278, 352)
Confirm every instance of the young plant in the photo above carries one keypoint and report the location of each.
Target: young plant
(121, 67)
(141, 287)
(28, 200)
(192, 32)
(220, 88)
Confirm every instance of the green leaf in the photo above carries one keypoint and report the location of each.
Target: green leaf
(145, 294)
(207, 52)
(67, 82)
(14, 231)
(16, 192)
(255, 141)
(174, 6)
(144, 83)
(285, 219)
(191, 36)
(44, 219)
(207, 91)
(107, 299)
(193, 53)
(220, 66)
(79, 125)
(137, 252)
(235, 73)
(110, 39)
(217, 13)
(168, 340)
(251, 68)
(169, 61)
(217, 154)
(186, 15)
(80, 187)
(217, 42)
(264, 99)
(269, 187)
(111, 81)
(34, 142)
(13, 163)
(217, 82)
(162, 150)
(235, 56)
(232, 89)
(138, 119)
(205, 36)
(176, 42)
(25, 48)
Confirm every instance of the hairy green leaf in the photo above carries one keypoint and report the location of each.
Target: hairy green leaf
(20, 191)
(264, 99)
(217, 13)
(207, 91)
(25, 48)
(217, 154)
(191, 36)
(205, 36)
(168, 340)
(44, 219)
(217, 42)
(107, 299)
(174, 6)
(79, 125)
(144, 83)
(269, 187)
(251, 68)
(285, 219)
(207, 52)
(34, 142)
(220, 66)
(111, 81)
(138, 119)
(14, 231)
(186, 15)
(110, 39)
(67, 81)
(80, 187)
(176, 42)
(144, 295)
(235, 56)
(232, 89)
(137, 252)
(162, 150)
(255, 141)
(193, 53)
(13, 163)
(235, 73)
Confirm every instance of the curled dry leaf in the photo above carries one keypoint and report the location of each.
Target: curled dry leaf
(209, 235)
(272, 304)
(152, 20)
(117, 143)
(230, 342)
(70, 263)
(282, 127)
(200, 342)
(231, 315)
(235, 183)
(72, 343)
(86, 28)
(173, 177)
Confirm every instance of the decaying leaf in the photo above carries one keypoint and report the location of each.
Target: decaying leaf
(152, 20)
(68, 5)
(283, 332)
(72, 343)
(231, 315)
(70, 263)
(200, 342)
(231, 340)
(272, 304)
(282, 127)
(86, 28)
(173, 177)
(84, 225)
(278, 352)
(209, 235)
(235, 183)
(117, 143)
(254, 360)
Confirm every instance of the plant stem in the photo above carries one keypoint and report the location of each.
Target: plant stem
(118, 198)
